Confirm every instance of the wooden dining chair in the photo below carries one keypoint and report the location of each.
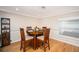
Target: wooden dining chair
(24, 42)
(22, 39)
(46, 39)
(44, 27)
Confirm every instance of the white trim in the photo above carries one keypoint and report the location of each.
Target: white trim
(15, 41)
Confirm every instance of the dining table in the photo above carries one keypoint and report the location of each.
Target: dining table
(36, 42)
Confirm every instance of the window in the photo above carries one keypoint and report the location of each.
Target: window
(70, 28)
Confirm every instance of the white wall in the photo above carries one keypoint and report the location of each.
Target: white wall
(0, 25)
(18, 21)
(0, 30)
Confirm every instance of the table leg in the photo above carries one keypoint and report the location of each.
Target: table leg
(35, 43)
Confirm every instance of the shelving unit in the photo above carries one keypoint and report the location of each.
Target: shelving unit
(5, 31)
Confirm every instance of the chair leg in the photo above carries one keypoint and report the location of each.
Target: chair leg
(24, 50)
(44, 48)
(48, 45)
(21, 46)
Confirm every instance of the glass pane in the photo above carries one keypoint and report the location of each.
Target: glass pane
(70, 28)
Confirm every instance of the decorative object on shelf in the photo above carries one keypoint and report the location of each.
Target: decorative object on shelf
(5, 31)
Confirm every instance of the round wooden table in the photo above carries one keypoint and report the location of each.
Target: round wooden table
(35, 34)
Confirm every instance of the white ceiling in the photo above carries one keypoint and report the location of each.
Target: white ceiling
(38, 11)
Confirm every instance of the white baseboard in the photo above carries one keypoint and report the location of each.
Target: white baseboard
(74, 42)
(68, 40)
(15, 41)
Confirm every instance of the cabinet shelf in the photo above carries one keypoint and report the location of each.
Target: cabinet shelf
(5, 28)
(5, 31)
(6, 23)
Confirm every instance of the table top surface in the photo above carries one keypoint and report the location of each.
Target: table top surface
(32, 33)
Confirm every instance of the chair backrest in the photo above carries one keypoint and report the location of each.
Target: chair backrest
(46, 34)
(22, 34)
(44, 27)
(29, 28)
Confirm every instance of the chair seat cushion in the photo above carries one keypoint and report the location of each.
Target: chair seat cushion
(41, 37)
(28, 42)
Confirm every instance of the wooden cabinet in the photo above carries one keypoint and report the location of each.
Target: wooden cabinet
(5, 31)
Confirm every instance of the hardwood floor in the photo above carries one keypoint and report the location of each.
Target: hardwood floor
(55, 46)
